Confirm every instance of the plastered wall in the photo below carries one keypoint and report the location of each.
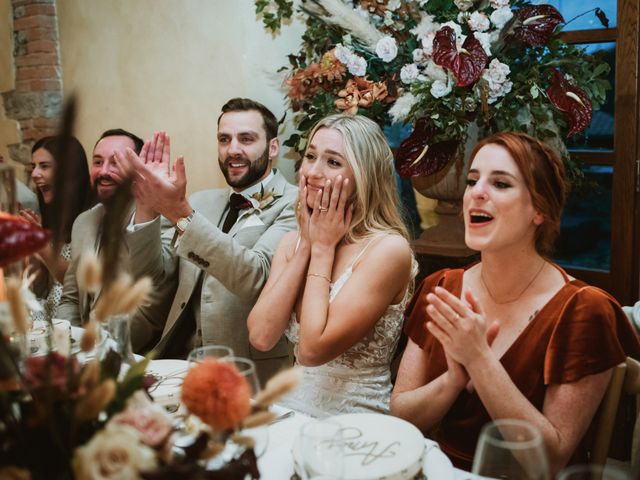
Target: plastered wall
(147, 65)
(8, 127)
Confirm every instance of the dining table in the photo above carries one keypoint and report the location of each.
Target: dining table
(277, 462)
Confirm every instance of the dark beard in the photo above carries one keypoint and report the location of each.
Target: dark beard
(256, 171)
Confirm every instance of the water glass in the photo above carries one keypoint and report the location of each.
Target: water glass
(593, 472)
(321, 451)
(208, 351)
(511, 449)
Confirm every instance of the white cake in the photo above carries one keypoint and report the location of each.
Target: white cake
(380, 447)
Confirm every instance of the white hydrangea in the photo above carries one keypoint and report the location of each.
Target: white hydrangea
(478, 22)
(497, 78)
(343, 54)
(464, 5)
(501, 16)
(409, 72)
(357, 65)
(402, 107)
(499, 3)
(426, 26)
(485, 40)
(387, 49)
(440, 89)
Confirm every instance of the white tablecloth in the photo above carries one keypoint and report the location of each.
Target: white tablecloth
(277, 461)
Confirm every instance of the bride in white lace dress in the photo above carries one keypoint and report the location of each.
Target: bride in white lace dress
(338, 286)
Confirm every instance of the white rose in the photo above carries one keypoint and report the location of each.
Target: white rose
(499, 3)
(479, 22)
(357, 65)
(418, 55)
(501, 16)
(409, 72)
(440, 89)
(342, 53)
(402, 106)
(496, 76)
(463, 5)
(114, 453)
(387, 49)
(485, 40)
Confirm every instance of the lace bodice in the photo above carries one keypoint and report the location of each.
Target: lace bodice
(359, 379)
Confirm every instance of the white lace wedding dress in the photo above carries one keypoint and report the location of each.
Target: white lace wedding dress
(359, 380)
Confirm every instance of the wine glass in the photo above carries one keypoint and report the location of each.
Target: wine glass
(247, 369)
(511, 449)
(208, 351)
(593, 472)
(321, 450)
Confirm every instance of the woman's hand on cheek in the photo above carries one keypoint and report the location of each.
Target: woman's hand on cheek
(331, 216)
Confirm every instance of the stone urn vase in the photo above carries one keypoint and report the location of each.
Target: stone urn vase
(447, 187)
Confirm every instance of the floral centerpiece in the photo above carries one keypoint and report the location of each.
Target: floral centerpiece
(65, 414)
(441, 65)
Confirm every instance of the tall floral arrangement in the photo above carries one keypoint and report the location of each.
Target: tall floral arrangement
(441, 65)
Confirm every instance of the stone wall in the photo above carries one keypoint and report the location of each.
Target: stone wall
(35, 101)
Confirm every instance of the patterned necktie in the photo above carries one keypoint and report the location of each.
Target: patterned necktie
(237, 202)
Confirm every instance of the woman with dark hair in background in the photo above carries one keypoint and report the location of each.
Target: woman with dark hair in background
(43, 174)
(512, 336)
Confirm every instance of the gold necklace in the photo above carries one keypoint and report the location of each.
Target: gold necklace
(484, 284)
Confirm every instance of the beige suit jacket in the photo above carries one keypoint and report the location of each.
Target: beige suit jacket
(76, 305)
(234, 268)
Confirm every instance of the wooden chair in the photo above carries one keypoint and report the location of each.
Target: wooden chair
(625, 379)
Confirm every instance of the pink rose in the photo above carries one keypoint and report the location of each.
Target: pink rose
(150, 420)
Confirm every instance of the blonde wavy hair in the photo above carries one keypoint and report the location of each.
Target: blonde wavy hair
(375, 200)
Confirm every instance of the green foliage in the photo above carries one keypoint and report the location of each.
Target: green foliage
(274, 12)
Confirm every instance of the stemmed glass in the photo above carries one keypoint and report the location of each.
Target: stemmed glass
(208, 351)
(593, 472)
(321, 451)
(511, 449)
(247, 369)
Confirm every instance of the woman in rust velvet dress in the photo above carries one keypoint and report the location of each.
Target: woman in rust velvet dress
(512, 336)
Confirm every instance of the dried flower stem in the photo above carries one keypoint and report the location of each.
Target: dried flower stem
(279, 385)
(89, 336)
(16, 305)
(89, 272)
(257, 419)
(90, 406)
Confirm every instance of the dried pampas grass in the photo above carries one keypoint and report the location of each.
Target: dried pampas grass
(336, 12)
(90, 406)
(279, 385)
(122, 297)
(16, 305)
(89, 272)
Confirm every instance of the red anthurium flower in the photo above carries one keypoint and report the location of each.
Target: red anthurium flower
(467, 64)
(572, 101)
(416, 156)
(19, 238)
(536, 24)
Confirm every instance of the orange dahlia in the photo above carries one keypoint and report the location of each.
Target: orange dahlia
(217, 393)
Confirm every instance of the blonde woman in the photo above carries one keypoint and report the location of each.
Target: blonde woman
(338, 286)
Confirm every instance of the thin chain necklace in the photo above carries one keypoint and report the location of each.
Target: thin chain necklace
(484, 284)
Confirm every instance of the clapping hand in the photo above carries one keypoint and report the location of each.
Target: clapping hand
(462, 329)
(157, 186)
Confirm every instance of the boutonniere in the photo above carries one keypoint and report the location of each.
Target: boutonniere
(261, 200)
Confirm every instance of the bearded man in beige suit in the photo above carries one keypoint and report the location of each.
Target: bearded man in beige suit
(219, 253)
(105, 178)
